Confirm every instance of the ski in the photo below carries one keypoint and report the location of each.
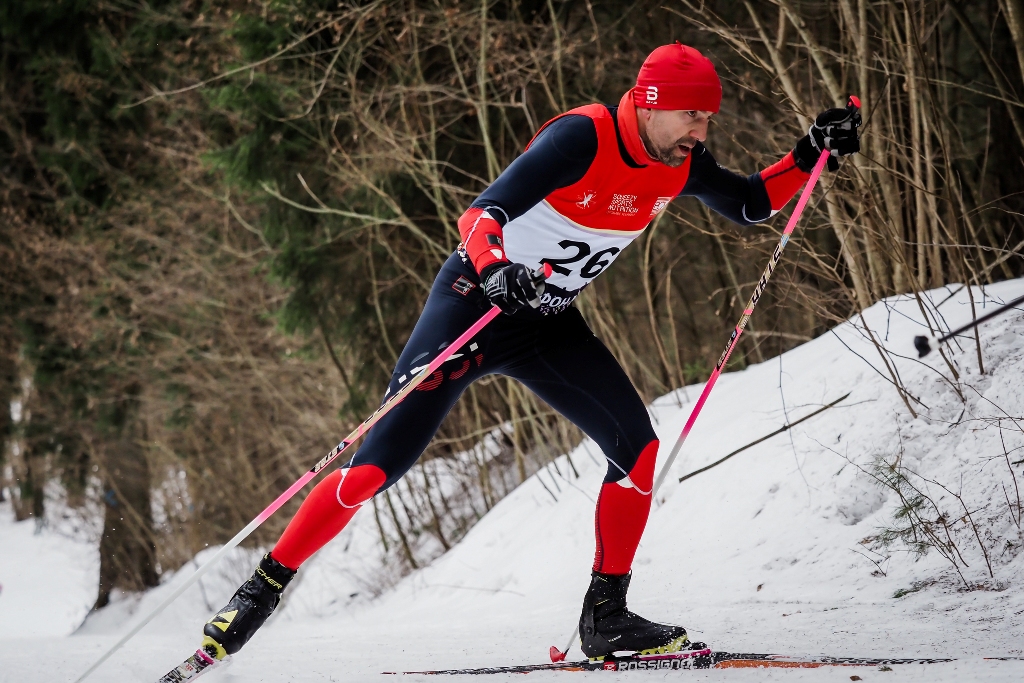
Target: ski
(690, 659)
(191, 669)
(744, 660)
(694, 659)
(734, 660)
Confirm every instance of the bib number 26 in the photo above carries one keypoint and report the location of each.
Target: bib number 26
(591, 269)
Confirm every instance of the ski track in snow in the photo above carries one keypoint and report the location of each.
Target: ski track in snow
(762, 553)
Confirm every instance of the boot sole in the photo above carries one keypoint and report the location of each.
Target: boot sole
(677, 645)
(673, 646)
(213, 648)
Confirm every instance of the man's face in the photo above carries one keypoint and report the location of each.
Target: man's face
(670, 134)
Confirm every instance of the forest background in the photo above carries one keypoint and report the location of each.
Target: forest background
(220, 220)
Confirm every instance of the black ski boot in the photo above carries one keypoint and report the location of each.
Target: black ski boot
(250, 606)
(606, 626)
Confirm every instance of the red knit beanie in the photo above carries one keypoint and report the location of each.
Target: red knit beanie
(678, 77)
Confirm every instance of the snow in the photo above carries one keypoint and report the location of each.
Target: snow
(47, 579)
(764, 553)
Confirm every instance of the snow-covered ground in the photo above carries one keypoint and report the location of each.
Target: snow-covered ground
(47, 579)
(768, 552)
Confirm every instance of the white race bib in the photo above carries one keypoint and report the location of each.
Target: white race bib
(576, 254)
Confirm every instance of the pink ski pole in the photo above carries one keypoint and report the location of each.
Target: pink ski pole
(559, 655)
(359, 431)
(747, 312)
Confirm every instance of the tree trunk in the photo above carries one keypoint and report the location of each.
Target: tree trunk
(8, 390)
(127, 548)
(29, 472)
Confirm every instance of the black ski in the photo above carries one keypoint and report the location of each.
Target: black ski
(690, 659)
(744, 660)
(697, 659)
(736, 660)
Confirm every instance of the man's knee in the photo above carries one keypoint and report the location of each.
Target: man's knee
(358, 484)
(638, 471)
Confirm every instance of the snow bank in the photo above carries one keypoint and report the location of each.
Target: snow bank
(775, 550)
(48, 578)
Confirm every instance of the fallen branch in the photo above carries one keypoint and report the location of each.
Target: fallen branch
(778, 431)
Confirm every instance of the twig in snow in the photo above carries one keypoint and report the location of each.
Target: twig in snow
(1006, 454)
(781, 429)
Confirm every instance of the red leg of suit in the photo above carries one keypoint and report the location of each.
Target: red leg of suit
(325, 512)
(622, 513)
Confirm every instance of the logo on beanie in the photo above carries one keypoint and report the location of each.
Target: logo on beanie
(678, 77)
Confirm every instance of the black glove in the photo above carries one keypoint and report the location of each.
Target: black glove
(511, 286)
(834, 130)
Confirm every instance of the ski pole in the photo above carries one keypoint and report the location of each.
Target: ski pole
(923, 343)
(558, 655)
(747, 312)
(359, 431)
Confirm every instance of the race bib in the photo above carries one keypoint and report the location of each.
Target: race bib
(576, 254)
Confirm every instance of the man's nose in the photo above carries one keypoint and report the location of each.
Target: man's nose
(699, 132)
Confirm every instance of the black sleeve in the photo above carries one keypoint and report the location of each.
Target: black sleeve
(741, 199)
(560, 156)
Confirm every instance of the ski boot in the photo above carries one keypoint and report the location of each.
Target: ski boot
(250, 606)
(606, 626)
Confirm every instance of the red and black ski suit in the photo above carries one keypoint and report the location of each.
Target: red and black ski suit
(580, 193)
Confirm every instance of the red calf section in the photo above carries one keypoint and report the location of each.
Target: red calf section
(642, 474)
(325, 512)
(622, 515)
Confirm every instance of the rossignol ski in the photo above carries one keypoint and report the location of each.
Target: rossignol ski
(688, 659)
(697, 659)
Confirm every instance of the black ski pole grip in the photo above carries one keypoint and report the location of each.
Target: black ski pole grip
(539, 277)
(541, 274)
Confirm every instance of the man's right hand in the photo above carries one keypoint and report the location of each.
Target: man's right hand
(512, 286)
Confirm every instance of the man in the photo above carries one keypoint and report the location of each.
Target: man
(587, 185)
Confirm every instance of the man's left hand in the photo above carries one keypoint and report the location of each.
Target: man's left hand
(833, 130)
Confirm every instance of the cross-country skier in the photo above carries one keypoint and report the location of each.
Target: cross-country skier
(587, 185)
